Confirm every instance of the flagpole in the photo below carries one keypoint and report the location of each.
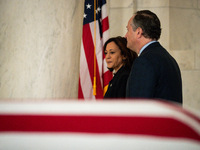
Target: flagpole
(94, 83)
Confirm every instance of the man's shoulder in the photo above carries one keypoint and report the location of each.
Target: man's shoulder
(142, 62)
(154, 51)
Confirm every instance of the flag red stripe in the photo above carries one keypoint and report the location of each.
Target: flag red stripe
(107, 76)
(88, 45)
(105, 24)
(99, 86)
(134, 125)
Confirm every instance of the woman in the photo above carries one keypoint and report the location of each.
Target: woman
(119, 59)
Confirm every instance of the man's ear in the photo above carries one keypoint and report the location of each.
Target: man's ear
(139, 32)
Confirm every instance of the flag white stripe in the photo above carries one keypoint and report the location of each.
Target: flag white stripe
(85, 79)
(63, 141)
(104, 12)
(105, 36)
(105, 66)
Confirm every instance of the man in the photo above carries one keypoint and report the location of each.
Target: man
(155, 73)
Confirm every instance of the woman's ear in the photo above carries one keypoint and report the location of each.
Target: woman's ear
(123, 58)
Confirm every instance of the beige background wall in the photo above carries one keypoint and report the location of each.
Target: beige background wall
(40, 44)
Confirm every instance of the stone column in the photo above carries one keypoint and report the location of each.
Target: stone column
(120, 11)
(40, 48)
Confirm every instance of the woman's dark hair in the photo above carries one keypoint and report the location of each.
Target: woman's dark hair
(121, 42)
(149, 22)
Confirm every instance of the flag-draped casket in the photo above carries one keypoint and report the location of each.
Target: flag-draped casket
(97, 125)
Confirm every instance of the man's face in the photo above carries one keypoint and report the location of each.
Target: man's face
(130, 35)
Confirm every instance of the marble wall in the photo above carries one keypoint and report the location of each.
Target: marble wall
(39, 48)
(180, 21)
(185, 46)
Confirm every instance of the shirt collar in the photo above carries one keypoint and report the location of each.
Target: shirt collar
(142, 49)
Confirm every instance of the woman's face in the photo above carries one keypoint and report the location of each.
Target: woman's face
(113, 56)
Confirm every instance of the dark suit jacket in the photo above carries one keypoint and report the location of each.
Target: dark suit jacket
(117, 86)
(155, 74)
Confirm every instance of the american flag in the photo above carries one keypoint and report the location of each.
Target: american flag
(94, 75)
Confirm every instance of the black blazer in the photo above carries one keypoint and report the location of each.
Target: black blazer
(117, 86)
(155, 74)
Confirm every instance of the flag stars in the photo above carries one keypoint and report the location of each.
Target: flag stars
(85, 15)
(98, 9)
(88, 6)
(89, 10)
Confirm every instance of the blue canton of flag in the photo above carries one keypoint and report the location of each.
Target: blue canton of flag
(89, 12)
